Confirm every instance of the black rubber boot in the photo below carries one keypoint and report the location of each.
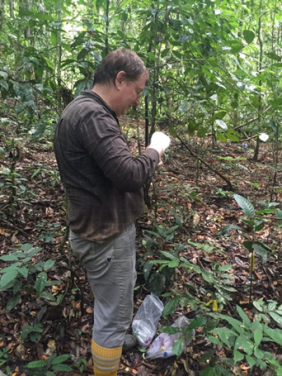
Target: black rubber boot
(129, 343)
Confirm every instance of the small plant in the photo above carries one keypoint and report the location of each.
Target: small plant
(4, 355)
(49, 367)
(254, 221)
(27, 275)
(33, 332)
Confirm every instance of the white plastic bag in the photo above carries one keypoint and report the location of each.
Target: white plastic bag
(146, 320)
(163, 344)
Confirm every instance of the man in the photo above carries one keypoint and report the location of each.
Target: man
(104, 184)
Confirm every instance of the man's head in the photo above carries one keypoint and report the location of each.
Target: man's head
(120, 79)
(117, 61)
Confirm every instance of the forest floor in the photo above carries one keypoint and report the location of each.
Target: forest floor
(183, 194)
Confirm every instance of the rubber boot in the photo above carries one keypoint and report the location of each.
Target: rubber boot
(106, 361)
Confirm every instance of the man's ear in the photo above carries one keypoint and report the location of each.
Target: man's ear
(120, 79)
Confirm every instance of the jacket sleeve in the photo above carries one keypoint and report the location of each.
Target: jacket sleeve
(105, 143)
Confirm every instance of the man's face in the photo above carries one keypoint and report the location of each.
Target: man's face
(131, 93)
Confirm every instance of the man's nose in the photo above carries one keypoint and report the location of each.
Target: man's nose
(137, 102)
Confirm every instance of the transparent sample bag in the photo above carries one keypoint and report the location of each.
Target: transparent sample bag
(163, 344)
(146, 320)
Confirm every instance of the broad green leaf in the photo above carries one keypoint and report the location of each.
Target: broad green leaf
(7, 278)
(147, 269)
(222, 371)
(226, 335)
(245, 205)
(243, 316)
(221, 137)
(4, 84)
(214, 340)
(61, 359)
(274, 56)
(170, 329)
(259, 353)
(242, 342)
(271, 306)
(49, 264)
(84, 52)
(250, 360)
(177, 347)
(54, 38)
(62, 368)
(12, 302)
(238, 356)
(276, 317)
(47, 296)
(249, 36)
(26, 247)
(258, 334)
(4, 75)
(169, 255)
(40, 282)
(11, 257)
(274, 334)
(197, 322)
(157, 283)
(36, 364)
(23, 271)
(171, 306)
(209, 371)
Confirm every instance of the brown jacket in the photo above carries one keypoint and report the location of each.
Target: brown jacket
(103, 181)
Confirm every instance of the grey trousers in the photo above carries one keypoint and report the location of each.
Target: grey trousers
(112, 275)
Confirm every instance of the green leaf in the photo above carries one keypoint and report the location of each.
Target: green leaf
(157, 283)
(26, 247)
(258, 334)
(40, 282)
(276, 317)
(4, 75)
(177, 347)
(36, 364)
(238, 356)
(197, 322)
(221, 137)
(249, 36)
(245, 205)
(215, 340)
(259, 354)
(243, 316)
(62, 367)
(7, 278)
(49, 264)
(4, 84)
(81, 55)
(12, 257)
(243, 342)
(61, 359)
(274, 334)
(12, 302)
(171, 306)
(250, 360)
(274, 56)
(147, 269)
(54, 38)
(23, 271)
(170, 329)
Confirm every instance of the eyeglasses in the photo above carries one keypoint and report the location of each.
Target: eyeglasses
(139, 90)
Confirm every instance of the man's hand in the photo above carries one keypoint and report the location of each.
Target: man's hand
(159, 142)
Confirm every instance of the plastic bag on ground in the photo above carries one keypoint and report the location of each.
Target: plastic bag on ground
(146, 320)
(163, 344)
